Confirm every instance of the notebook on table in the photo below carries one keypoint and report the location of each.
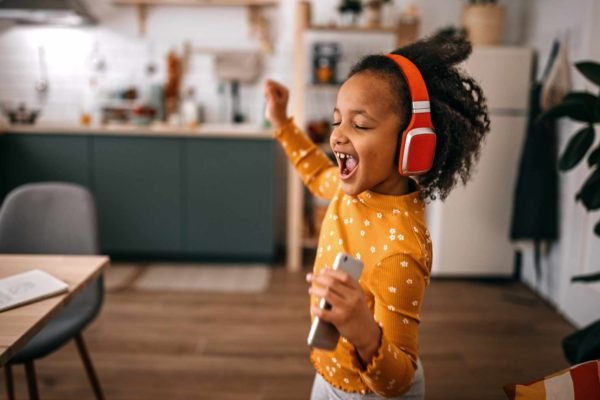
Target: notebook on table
(27, 287)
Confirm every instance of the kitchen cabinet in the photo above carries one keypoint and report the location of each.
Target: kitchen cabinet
(229, 197)
(37, 158)
(137, 183)
(164, 196)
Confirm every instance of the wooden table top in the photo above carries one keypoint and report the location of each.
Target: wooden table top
(19, 325)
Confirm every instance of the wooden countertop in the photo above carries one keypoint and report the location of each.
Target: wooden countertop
(219, 131)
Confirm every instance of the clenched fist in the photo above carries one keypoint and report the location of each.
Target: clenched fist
(277, 97)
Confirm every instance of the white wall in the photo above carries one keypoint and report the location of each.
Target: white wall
(578, 250)
(68, 50)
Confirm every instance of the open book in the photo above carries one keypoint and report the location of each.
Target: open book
(28, 287)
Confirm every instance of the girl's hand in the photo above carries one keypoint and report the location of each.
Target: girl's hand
(277, 97)
(349, 311)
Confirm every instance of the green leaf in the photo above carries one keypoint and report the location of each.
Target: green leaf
(586, 278)
(594, 157)
(579, 144)
(589, 69)
(589, 193)
(588, 102)
(573, 108)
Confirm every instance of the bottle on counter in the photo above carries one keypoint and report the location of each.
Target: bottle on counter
(189, 109)
(89, 108)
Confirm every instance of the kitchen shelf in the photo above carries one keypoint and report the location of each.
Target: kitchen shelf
(310, 242)
(351, 29)
(403, 34)
(217, 3)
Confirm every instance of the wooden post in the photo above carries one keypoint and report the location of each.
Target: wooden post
(142, 16)
(295, 213)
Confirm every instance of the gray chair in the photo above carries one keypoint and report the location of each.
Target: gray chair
(53, 218)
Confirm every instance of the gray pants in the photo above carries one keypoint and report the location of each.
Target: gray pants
(322, 390)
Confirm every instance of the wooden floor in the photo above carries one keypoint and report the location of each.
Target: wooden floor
(475, 337)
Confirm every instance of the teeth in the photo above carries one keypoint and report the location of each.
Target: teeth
(343, 156)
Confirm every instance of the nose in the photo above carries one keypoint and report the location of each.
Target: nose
(338, 137)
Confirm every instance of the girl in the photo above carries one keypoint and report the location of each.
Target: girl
(377, 212)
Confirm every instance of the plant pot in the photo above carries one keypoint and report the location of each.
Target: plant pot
(373, 13)
(484, 23)
(348, 18)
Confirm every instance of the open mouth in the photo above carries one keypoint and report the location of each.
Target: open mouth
(348, 164)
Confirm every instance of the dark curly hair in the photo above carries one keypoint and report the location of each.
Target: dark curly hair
(458, 106)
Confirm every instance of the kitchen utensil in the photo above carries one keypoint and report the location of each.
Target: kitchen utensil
(21, 114)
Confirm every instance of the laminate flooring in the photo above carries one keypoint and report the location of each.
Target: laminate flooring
(475, 336)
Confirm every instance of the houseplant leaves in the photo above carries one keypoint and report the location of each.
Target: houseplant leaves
(576, 149)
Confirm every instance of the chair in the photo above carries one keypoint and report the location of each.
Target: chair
(53, 218)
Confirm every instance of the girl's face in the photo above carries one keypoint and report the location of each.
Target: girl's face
(366, 127)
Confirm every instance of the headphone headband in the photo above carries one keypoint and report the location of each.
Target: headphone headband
(416, 84)
(417, 147)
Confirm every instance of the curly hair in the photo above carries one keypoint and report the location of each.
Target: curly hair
(458, 106)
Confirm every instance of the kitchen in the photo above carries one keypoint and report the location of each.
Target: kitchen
(157, 108)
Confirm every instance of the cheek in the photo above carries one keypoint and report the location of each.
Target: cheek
(380, 159)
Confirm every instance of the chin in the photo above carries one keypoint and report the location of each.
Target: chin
(352, 190)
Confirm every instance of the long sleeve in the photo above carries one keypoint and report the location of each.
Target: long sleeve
(398, 287)
(315, 168)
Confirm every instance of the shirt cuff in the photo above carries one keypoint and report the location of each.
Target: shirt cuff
(384, 360)
(287, 125)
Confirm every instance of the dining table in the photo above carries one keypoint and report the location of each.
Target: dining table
(19, 325)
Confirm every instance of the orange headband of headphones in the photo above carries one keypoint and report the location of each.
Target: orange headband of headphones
(417, 148)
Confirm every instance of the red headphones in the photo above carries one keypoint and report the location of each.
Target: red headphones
(417, 148)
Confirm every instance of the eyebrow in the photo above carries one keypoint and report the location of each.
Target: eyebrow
(359, 111)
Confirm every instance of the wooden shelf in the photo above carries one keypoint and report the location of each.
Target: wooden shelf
(350, 29)
(217, 3)
(310, 242)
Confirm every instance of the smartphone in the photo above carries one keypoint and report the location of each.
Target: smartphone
(324, 335)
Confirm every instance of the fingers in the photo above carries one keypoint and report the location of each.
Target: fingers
(337, 282)
(341, 277)
(325, 315)
(275, 91)
(327, 293)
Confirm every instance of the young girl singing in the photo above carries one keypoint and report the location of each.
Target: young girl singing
(406, 127)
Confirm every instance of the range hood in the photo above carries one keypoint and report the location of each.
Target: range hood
(51, 12)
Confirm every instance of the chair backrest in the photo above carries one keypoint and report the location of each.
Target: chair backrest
(49, 218)
(53, 218)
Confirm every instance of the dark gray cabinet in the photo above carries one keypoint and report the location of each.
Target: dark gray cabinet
(229, 197)
(38, 158)
(137, 184)
(160, 197)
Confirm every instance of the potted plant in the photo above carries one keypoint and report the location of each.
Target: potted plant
(583, 107)
(349, 11)
(484, 22)
(374, 12)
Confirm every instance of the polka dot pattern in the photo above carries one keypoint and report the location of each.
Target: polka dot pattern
(388, 234)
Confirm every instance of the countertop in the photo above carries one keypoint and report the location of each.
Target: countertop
(227, 131)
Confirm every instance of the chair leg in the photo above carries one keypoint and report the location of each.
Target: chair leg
(87, 362)
(10, 389)
(31, 381)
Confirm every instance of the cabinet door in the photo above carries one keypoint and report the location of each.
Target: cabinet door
(230, 198)
(39, 158)
(137, 186)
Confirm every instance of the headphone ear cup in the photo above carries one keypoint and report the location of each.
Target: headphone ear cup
(417, 151)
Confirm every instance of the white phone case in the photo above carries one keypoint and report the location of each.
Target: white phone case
(324, 335)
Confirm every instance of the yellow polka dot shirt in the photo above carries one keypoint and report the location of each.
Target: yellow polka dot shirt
(389, 235)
